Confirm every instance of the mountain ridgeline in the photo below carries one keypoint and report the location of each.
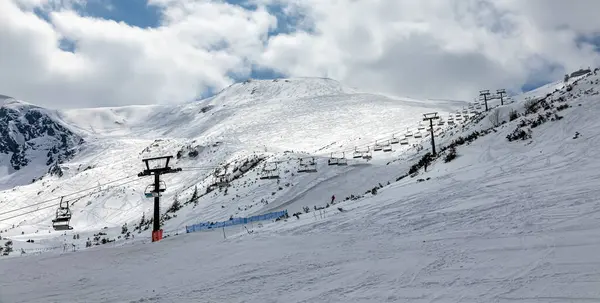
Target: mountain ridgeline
(28, 132)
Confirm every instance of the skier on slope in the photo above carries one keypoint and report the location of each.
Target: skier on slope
(332, 199)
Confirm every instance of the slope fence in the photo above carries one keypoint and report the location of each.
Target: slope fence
(235, 221)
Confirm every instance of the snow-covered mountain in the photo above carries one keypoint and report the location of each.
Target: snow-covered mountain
(506, 209)
(31, 140)
(241, 130)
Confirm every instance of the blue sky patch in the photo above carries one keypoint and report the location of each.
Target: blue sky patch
(133, 12)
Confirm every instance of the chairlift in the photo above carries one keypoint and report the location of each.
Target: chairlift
(408, 133)
(357, 154)
(418, 135)
(421, 127)
(332, 160)
(459, 118)
(404, 142)
(367, 155)
(450, 122)
(394, 140)
(222, 181)
(270, 173)
(441, 122)
(342, 161)
(387, 147)
(378, 147)
(63, 216)
(150, 193)
(309, 166)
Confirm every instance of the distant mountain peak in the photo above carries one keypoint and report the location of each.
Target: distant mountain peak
(10, 102)
(283, 88)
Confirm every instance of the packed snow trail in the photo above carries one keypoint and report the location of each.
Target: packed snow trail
(351, 182)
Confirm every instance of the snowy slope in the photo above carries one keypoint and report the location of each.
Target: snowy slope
(503, 222)
(275, 120)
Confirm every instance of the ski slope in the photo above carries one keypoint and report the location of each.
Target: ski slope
(276, 120)
(503, 222)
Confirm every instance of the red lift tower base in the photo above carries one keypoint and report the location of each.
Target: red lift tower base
(157, 235)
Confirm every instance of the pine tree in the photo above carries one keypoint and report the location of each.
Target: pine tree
(8, 247)
(195, 196)
(176, 205)
(142, 221)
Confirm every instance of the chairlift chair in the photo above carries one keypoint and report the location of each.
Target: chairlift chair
(342, 161)
(149, 192)
(418, 135)
(394, 140)
(332, 160)
(367, 155)
(441, 122)
(309, 166)
(404, 142)
(377, 147)
(387, 147)
(357, 154)
(63, 216)
(222, 181)
(421, 127)
(408, 133)
(270, 173)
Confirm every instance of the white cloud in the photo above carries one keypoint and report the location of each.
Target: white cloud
(117, 64)
(434, 48)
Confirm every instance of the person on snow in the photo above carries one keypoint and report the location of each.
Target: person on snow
(332, 199)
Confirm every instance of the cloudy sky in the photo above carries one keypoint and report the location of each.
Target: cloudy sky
(82, 53)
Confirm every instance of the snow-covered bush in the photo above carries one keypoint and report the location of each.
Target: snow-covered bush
(519, 134)
(513, 115)
(450, 155)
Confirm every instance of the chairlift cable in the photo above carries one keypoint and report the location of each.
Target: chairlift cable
(67, 195)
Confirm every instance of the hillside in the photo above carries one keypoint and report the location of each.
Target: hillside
(259, 123)
(32, 142)
(513, 217)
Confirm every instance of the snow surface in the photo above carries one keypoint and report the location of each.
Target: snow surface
(505, 221)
